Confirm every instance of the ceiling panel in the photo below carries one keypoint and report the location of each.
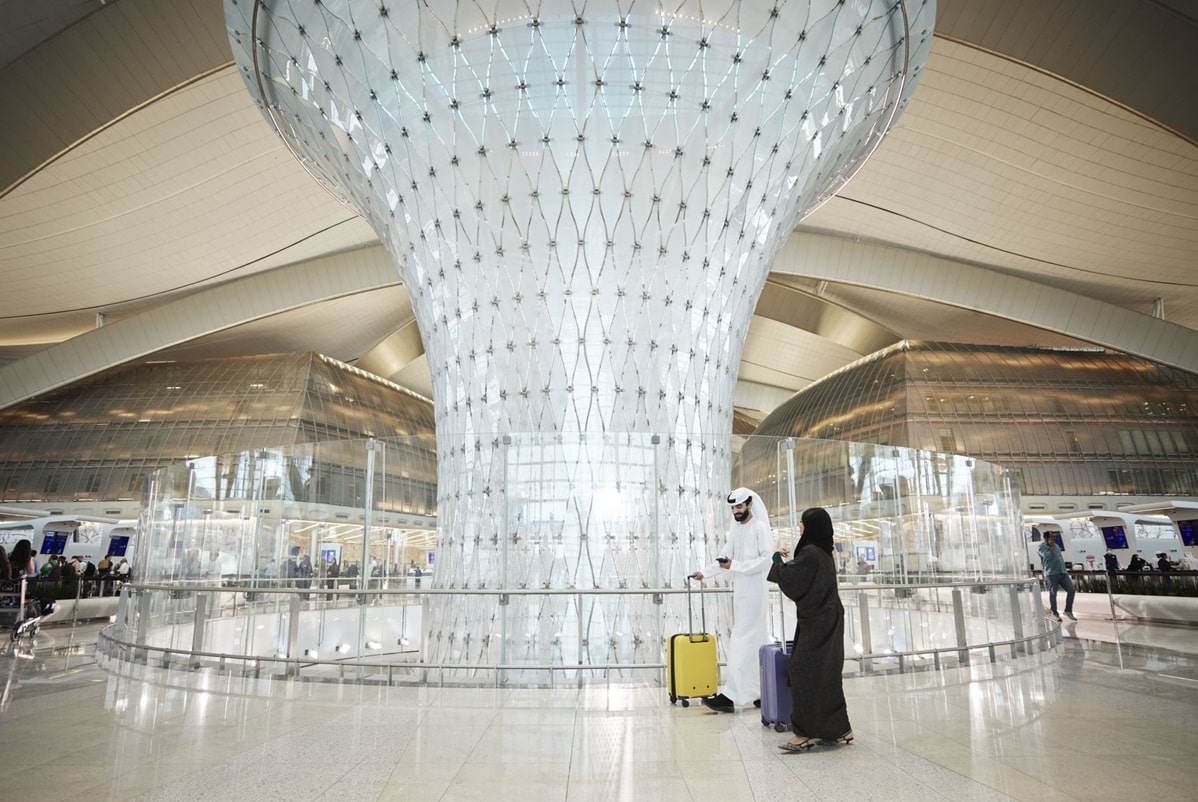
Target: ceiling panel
(1043, 142)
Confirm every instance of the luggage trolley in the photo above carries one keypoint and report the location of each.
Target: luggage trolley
(29, 619)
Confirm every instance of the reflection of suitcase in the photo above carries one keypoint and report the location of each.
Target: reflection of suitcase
(691, 666)
(775, 690)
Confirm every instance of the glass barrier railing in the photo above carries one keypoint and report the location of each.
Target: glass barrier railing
(538, 549)
(376, 635)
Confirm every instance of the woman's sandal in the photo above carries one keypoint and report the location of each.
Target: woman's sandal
(845, 739)
(798, 744)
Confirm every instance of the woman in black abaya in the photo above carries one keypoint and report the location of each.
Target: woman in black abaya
(819, 714)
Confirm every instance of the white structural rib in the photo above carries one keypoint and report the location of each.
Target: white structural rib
(258, 296)
(921, 275)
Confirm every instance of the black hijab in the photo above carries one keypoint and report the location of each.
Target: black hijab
(817, 529)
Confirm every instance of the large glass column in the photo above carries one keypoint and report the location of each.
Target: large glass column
(584, 200)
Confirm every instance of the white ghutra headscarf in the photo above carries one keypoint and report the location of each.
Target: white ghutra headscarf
(742, 494)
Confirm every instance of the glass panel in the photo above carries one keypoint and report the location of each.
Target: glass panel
(580, 574)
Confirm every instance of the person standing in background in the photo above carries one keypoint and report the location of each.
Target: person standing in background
(21, 562)
(1052, 560)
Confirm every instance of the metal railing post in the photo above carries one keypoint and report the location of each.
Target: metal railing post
(959, 622)
(293, 622)
(866, 636)
(143, 617)
(197, 629)
(1016, 612)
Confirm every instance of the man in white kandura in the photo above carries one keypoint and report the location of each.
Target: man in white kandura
(746, 555)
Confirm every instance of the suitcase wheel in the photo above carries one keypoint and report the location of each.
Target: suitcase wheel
(780, 727)
(686, 703)
(764, 723)
(673, 699)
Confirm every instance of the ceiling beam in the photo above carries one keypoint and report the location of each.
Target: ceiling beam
(979, 289)
(231, 304)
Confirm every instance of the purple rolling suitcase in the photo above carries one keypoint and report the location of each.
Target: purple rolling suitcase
(775, 692)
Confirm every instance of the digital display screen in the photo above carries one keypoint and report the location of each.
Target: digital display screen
(1186, 528)
(53, 543)
(1035, 534)
(1115, 537)
(117, 545)
(867, 553)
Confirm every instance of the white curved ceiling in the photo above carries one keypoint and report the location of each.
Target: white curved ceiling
(1041, 188)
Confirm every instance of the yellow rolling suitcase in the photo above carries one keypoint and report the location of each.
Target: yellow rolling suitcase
(692, 670)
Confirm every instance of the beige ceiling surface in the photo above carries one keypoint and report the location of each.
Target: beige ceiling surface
(1046, 143)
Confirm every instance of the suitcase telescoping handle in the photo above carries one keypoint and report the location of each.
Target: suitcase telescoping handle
(690, 618)
(782, 601)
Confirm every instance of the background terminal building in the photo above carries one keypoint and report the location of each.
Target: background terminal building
(281, 435)
(1078, 428)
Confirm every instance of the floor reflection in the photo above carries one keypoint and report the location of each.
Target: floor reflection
(1110, 716)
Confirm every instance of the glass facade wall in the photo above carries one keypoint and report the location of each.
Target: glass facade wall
(100, 439)
(1066, 422)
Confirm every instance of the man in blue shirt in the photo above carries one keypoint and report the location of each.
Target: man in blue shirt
(1053, 562)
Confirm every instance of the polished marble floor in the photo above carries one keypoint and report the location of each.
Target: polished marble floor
(1114, 715)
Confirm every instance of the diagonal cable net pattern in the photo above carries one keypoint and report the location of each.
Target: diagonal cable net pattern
(584, 199)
